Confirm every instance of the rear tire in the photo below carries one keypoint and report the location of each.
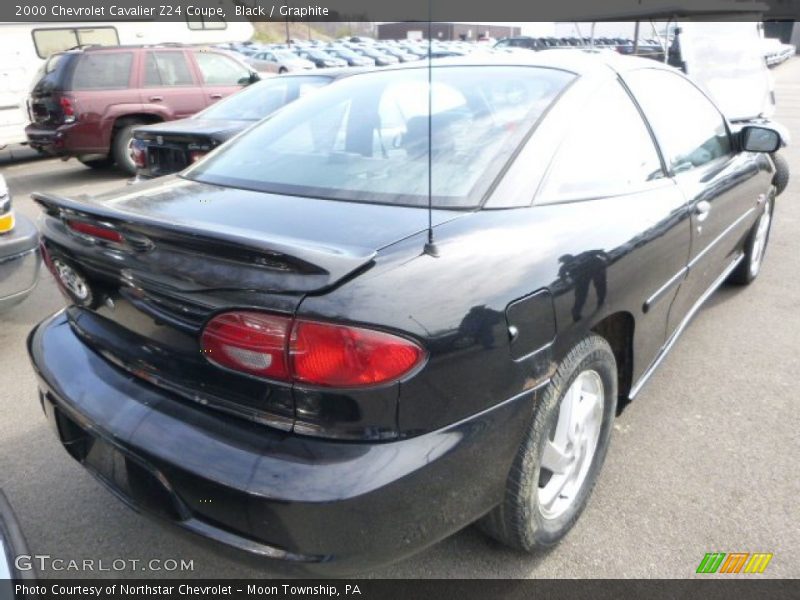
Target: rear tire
(120, 147)
(96, 163)
(781, 178)
(754, 248)
(282, 70)
(561, 456)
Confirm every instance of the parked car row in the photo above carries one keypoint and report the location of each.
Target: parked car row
(650, 47)
(353, 51)
(775, 52)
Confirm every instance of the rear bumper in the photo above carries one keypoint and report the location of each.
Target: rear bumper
(49, 141)
(67, 140)
(19, 262)
(332, 507)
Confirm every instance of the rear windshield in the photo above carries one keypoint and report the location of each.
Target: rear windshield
(366, 139)
(263, 98)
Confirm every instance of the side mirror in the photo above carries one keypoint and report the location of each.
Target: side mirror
(250, 79)
(759, 139)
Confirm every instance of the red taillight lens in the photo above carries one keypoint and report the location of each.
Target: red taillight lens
(67, 109)
(96, 231)
(138, 154)
(251, 342)
(340, 356)
(310, 352)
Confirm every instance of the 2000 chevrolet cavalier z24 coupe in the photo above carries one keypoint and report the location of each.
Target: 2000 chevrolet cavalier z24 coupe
(277, 329)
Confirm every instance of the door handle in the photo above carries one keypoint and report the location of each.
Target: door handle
(156, 98)
(702, 209)
(216, 96)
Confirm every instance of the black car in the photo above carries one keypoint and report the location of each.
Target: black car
(339, 339)
(164, 148)
(353, 59)
(321, 59)
(381, 59)
(526, 42)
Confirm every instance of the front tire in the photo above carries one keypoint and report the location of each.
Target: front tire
(561, 456)
(781, 178)
(754, 248)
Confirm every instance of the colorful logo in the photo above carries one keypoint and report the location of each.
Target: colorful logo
(734, 562)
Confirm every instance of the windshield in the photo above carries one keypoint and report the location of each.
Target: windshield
(366, 138)
(263, 98)
(285, 55)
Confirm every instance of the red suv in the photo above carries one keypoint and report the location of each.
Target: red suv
(86, 102)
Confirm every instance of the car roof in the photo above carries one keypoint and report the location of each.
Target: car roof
(581, 61)
(333, 73)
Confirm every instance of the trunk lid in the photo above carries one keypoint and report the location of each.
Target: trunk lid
(191, 250)
(170, 146)
(192, 129)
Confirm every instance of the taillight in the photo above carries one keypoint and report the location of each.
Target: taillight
(196, 155)
(67, 109)
(7, 222)
(308, 352)
(251, 342)
(138, 153)
(96, 231)
(342, 356)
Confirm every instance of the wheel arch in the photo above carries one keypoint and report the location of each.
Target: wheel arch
(130, 118)
(618, 330)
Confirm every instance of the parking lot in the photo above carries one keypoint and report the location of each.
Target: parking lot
(705, 459)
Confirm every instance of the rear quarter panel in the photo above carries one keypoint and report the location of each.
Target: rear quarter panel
(455, 303)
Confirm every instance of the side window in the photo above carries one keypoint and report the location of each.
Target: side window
(166, 69)
(207, 23)
(102, 71)
(689, 128)
(221, 70)
(609, 152)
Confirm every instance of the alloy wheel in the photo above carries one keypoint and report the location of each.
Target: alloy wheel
(568, 456)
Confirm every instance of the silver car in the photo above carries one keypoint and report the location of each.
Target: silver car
(19, 252)
(279, 61)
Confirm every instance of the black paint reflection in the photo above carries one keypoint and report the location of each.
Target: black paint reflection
(581, 270)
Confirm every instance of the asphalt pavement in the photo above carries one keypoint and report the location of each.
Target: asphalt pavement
(706, 459)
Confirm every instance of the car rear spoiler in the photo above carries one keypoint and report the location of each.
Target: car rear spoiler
(290, 264)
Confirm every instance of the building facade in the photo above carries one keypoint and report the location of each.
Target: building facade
(470, 32)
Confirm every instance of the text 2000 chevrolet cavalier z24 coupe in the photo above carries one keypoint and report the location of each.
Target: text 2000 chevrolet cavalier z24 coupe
(277, 330)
